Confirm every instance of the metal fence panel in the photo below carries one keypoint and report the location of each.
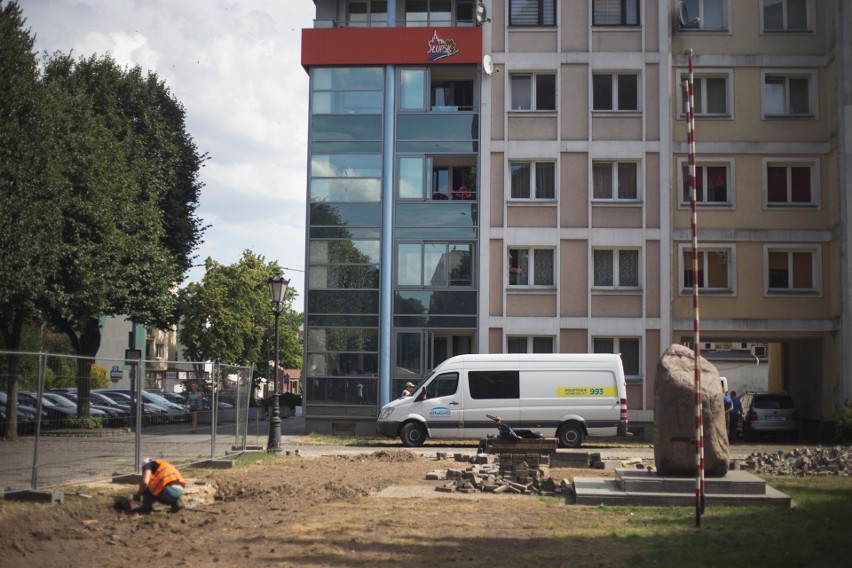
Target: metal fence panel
(133, 419)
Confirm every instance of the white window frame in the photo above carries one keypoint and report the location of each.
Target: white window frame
(685, 288)
(615, 268)
(616, 348)
(533, 75)
(787, 74)
(789, 162)
(700, 83)
(530, 341)
(531, 252)
(816, 269)
(711, 162)
(533, 190)
(615, 164)
(613, 84)
(701, 19)
(809, 29)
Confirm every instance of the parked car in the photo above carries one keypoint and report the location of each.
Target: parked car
(26, 416)
(151, 413)
(56, 414)
(769, 413)
(174, 412)
(174, 397)
(116, 416)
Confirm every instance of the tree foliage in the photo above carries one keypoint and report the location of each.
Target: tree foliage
(227, 317)
(100, 186)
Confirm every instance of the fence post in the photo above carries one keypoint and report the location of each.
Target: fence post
(39, 393)
(213, 417)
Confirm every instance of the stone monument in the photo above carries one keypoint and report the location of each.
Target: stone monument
(674, 416)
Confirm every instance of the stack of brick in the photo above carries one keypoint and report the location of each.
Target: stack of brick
(498, 478)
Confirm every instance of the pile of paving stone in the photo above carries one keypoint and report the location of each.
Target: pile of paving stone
(803, 461)
(513, 476)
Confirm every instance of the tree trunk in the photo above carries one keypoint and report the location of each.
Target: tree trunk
(90, 341)
(12, 341)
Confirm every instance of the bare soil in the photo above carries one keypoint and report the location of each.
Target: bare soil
(310, 511)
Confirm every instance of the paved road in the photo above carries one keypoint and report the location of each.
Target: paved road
(64, 459)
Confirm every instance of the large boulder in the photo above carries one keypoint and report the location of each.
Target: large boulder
(674, 416)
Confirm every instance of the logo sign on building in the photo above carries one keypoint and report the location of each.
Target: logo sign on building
(439, 48)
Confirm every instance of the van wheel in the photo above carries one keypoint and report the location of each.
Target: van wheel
(570, 435)
(412, 435)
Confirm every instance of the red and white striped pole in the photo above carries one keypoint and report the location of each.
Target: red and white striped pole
(693, 198)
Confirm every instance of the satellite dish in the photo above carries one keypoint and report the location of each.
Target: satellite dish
(487, 64)
(683, 16)
(481, 14)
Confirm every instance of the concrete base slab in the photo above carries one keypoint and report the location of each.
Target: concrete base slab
(634, 487)
(52, 497)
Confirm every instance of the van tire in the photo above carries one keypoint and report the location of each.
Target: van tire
(570, 435)
(413, 435)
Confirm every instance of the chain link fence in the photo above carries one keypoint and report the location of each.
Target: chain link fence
(137, 409)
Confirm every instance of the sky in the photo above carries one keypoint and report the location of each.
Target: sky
(234, 65)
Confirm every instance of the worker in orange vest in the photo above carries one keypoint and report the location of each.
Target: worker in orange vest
(161, 481)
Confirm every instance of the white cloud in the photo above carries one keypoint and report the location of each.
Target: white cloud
(235, 66)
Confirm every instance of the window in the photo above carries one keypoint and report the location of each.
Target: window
(787, 15)
(421, 13)
(525, 185)
(532, 12)
(494, 384)
(434, 264)
(711, 14)
(789, 94)
(615, 92)
(533, 92)
(533, 344)
(710, 94)
(712, 183)
(715, 268)
(368, 13)
(615, 180)
(628, 348)
(412, 86)
(443, 385)
(616, 268)
(615, 13)
(530, 267)
(790, 184)
(792, 269)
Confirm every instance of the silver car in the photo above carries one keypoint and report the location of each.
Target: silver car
(769, 413)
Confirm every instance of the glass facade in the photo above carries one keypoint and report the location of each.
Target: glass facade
(432, 185)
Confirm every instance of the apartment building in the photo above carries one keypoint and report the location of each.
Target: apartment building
(507, 176)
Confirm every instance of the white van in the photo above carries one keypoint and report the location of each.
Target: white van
(567, 396)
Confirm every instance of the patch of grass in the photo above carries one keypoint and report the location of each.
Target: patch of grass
(804, 535)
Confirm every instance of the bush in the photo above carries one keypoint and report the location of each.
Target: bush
(292, 400)
(843, 424)
(91, 423)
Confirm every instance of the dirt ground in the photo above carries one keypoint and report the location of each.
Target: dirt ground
(306, 511)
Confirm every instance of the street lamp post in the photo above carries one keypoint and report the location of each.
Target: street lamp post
(277, 290)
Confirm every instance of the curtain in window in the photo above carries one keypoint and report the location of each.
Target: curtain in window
(801, 181)
(543, 267)
(516, 344)
(627, 180)
(603, 268)
(521, 181)
(521, 92)
(544, 181)
(542, 345)
(629, 349)
(803, 270)
(602, 176)
(628, 268)
(628, 92)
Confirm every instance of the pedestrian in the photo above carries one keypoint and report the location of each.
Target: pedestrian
(733, 427)
(194, 399)
(162, 482)
(729, 409)
(409, 387)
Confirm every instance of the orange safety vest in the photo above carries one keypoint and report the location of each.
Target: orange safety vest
(166, 474)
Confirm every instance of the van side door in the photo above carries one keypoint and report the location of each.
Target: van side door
(442, 405)
(491, 392)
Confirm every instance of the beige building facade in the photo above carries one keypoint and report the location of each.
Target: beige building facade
(574, 144)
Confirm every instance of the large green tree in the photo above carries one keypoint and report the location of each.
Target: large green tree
(29, 214)
(125, 172)
(227, 317)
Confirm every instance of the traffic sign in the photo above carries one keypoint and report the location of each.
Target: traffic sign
(115, 374)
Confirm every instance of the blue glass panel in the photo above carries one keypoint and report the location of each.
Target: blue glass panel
(347, 78)
(437, 233)
(346, 165)
(342, 302)
(346, 127)
(441, 214)
(438, 126)
(434, 302)
(437, 147)
(346, 190)
(364, 214)
(345, 147)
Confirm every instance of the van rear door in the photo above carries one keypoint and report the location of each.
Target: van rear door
(490, 392)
